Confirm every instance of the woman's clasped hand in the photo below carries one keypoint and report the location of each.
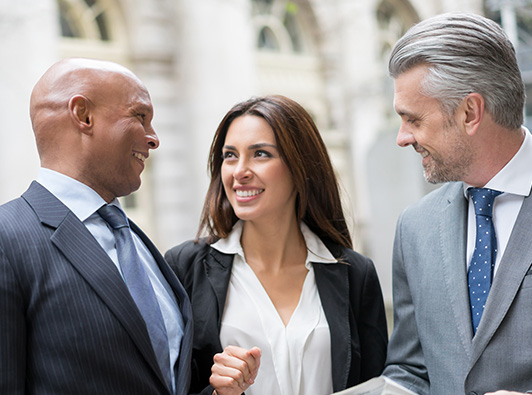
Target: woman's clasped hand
(234, 370)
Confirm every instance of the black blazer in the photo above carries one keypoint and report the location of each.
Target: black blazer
(350, 294)
(68, 324)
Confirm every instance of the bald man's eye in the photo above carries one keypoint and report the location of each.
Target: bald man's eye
(142, 117)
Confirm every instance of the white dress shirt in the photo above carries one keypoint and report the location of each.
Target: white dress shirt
(296, 358)
(83, 201)
(515, 181)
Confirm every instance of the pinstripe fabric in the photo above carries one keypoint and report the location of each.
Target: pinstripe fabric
(67, 322)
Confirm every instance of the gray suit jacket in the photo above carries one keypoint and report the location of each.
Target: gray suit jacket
(432, 349)
(68, 324)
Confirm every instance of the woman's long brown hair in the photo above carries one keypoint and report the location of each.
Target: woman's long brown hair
(301, 147)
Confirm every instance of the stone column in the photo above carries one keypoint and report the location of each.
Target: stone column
(216, 70)
(196, 59)
(29, 33)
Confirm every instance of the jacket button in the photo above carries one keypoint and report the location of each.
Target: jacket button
(472, 393)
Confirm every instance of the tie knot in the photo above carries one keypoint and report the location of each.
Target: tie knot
(113, 216)
(483, 200)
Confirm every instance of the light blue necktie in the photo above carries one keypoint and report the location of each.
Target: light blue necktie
(483, 259)
(139, 286)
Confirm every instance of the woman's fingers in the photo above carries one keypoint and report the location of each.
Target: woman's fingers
(235, 369)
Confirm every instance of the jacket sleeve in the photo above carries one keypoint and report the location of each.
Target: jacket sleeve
(372, 327)
(405, 362)
(12, 331)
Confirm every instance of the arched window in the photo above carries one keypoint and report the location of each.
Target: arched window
(267, 40)
(515, 16)
(286, 54)
(394, 17)
(93, 28)
(83, 19)
(281, 26)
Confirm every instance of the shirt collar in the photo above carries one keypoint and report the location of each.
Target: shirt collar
(514, 178)
(82, 200)
(317, 252)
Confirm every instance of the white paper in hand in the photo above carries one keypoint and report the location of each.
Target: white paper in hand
(377, 386)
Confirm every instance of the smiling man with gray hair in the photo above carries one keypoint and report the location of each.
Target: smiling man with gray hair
(462, 277)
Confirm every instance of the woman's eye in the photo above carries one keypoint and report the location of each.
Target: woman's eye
(262, 154)
(228, 155)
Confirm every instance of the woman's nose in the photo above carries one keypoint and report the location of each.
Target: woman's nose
(242, 170)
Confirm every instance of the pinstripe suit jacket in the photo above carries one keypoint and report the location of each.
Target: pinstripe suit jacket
(68, 324)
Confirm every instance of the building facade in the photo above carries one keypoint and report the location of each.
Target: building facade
(198, 58)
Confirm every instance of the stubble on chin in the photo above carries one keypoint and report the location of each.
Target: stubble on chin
(454, 168)
(456, 161)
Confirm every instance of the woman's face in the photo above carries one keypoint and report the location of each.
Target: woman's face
(256, 180)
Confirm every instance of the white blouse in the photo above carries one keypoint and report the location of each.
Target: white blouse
(295, 359)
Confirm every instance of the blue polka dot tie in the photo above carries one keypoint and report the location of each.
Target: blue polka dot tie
(483, 259)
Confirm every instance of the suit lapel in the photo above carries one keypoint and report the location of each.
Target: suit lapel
(453, 252)
(84, 253)
(218, 268)
(333, 288)
(183, 365)
(167, 272)
(513, 267)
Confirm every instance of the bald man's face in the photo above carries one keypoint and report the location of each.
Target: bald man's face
(122, 137)
(92, 122)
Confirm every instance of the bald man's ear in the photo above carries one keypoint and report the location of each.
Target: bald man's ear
(80, 110)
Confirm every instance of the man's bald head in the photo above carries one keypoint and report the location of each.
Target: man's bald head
(70, 77)
(51, 97)
(92, 122)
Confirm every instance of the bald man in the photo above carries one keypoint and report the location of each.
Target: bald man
(72, 320)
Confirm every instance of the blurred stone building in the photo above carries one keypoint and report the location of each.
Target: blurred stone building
(199, 57)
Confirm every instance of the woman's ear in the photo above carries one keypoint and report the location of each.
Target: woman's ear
(80, 111)
(473, 108)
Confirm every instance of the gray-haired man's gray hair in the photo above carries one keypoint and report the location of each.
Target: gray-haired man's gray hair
(465, 53)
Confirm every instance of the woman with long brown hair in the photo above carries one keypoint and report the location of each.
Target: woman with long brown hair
(281, 303)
